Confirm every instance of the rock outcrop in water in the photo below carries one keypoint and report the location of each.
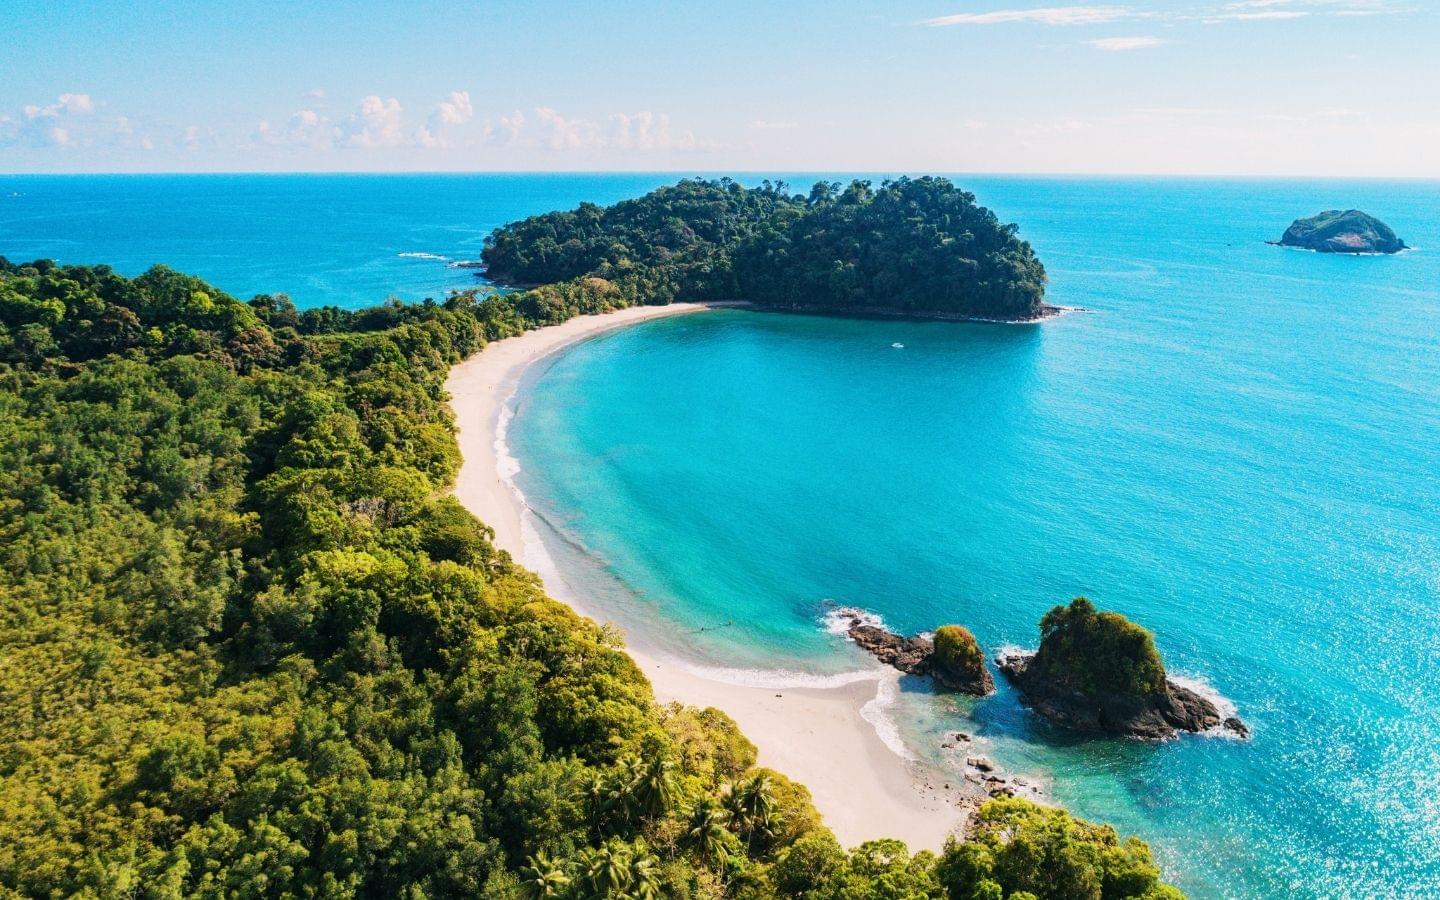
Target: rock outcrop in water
(908, 654)
(1099, 672)
(1334, 231)
(958, 662)
(952, 667)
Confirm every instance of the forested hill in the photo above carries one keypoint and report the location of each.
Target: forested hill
(913, 246)
(249, 646)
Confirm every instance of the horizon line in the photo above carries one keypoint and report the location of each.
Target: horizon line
(720, 173)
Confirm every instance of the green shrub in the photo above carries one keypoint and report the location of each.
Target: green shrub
(957, 651)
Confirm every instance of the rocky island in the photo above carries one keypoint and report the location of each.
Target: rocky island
(952, 657)
(1098, 671)
(1334, 231)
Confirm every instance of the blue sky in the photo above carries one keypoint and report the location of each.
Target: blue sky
(1263, 87)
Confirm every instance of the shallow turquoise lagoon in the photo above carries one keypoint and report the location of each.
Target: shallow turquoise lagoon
(1237, 445)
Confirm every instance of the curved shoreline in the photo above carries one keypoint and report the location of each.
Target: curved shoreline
(821, 737)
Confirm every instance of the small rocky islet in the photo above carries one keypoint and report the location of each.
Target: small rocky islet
(1342, 231)
(1094, 671)
(1099, 672)
(952, 657)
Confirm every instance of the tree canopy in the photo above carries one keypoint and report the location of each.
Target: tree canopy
(1096, 653)
(914, 246)
(249, 645)
(958, 654)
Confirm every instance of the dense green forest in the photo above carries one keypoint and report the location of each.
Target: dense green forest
(914, 246)
(250, 647)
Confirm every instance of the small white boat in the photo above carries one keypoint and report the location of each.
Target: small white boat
(898, 346)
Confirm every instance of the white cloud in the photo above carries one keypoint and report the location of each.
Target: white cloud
(1238, 11)
(306, 128)
(455, 109)
(1176, 112)
(199, 137)
(638, 132)
(375, 124)
(769, 125)
(1054, 15)
(1263, 15)
(1139, 42)
(66, 105)
(70, 121)
(560, 133)
(646, 131)
(505, 130)
(1285, 10)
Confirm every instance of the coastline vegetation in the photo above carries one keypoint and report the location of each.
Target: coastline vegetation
(250, 647)
(1096, 653)
(911, 246)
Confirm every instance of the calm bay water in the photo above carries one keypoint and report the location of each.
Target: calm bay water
(1237, 445)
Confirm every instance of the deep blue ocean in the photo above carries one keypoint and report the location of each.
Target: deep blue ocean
(1235, 444)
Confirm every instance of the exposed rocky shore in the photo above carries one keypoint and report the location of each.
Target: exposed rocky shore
(1158, 716)
(916, 656)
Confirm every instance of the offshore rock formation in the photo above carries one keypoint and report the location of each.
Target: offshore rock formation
(1098, 671)
(1154, 717)
(958, 663)
(1334, 231)
(954, 667)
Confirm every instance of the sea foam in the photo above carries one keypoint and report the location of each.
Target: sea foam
(1224, 705)
(837, 621)
(877, 712)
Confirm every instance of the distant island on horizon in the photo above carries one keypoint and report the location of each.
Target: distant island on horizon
(1336, 231)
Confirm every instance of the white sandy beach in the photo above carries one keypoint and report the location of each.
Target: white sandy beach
(816, 736)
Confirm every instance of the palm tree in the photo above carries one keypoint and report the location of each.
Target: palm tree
(606, 869)
(752, 806)
(707, 833)
(596, 789)
(623, 785)
(646, 872)
(655, 790)
(543, 878)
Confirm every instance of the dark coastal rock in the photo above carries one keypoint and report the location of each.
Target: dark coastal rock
(1154, 717)
(910, 655)
(916, 656)
(1334, 231)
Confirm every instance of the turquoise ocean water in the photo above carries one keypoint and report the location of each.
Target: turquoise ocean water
(1237, 445)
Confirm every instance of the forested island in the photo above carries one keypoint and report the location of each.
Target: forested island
(249, 646)
(919, 247)
(1342, 231)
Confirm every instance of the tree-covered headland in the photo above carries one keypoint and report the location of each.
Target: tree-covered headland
(249, 646)
(912, 246)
